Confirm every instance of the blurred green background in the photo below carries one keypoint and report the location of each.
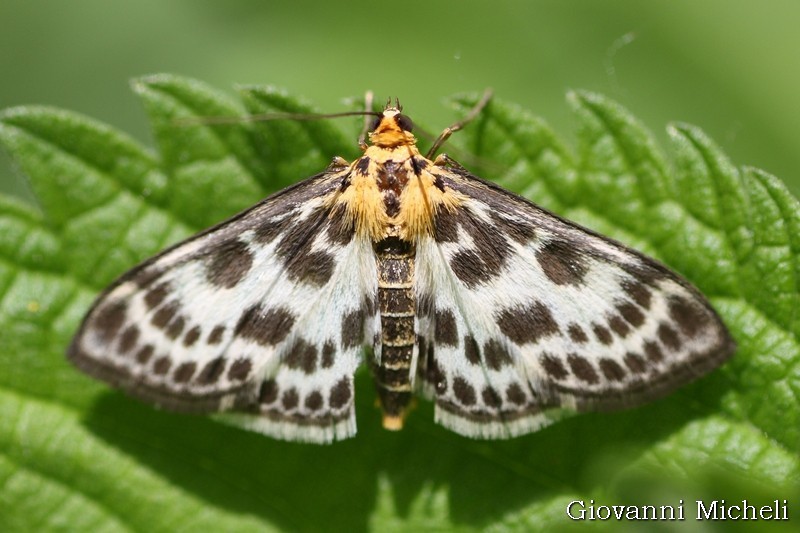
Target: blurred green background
(729, 66)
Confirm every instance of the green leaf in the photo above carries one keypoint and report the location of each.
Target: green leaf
(76, 455)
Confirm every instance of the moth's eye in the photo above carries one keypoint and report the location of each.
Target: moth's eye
(404, 122)
(375, 123)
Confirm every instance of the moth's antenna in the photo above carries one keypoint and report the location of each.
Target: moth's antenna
(368, 97)
(474, 112)
(261, 117)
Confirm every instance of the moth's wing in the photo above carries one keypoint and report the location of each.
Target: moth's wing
(522, 313)
(263, 315)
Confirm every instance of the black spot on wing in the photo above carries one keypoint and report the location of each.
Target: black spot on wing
(690, 316)
(162, 365)
(446, 331)
(328, 353)
(302, 355)
(463, 391)
(144, 275)
(582, 369)
(191, 336)
(554, 366)
(669, 337)
(486, 258)
(491, 398)
(619, 326)
(515, 394)
(653, 352)
(240, 369)
(128, 339)
(635, 363)
(353, 328)
(445, 226)
(519, 229)
(271, 229)
(470, 269)
(313, 401)
(215, 337)
(314, 268)
(527, 323)
(155, 296)
(268, 391)
(496, 354)
(145, 353)
(229, 264)
(267, 327)
(631, 314)
(603, 334)
(212, 371)
(175, 327)
(184, 372)
(108, 319)
(577, 334)
(340, 229)
(612, 370)
(164, 315)
(646, 271)
(341, 393)
(471, 350)
(290, 399)
(562, 263)
(638, 292)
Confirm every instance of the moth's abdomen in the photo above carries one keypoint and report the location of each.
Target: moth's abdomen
(396, 303)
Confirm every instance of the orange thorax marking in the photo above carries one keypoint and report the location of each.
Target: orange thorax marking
(392, 192)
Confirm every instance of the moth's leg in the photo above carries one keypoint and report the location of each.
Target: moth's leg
(487, 95)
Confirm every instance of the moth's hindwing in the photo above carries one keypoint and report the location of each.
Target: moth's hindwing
(263, 315)
(522, 313)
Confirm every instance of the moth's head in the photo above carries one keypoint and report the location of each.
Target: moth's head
(392, 128)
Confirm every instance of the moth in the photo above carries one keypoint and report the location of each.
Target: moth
(502, 313)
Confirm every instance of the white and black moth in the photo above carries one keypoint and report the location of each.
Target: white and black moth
(499, 311)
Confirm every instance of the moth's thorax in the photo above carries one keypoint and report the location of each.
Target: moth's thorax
(392, 169)
(394, 192)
